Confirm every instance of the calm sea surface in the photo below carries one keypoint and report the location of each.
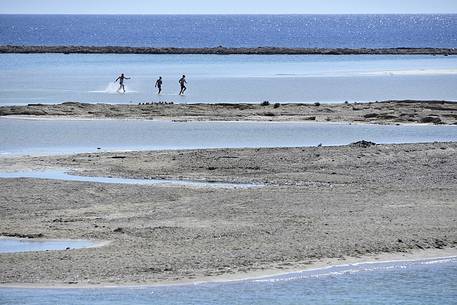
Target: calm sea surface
(353, 31)
(55, 78)
(401, 283)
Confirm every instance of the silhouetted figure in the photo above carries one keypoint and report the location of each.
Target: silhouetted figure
(121, 79)
(182, 82)
(159, 84)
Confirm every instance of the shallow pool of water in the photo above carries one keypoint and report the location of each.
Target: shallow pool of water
(11, 245)
(63, 175)
(47, 137)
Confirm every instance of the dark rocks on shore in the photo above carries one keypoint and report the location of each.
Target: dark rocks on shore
(430, 119)
(362, 144)
(370, 115)
(269, 114)
(19, 235)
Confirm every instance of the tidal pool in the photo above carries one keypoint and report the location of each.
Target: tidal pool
(13, 245)
(63, 175)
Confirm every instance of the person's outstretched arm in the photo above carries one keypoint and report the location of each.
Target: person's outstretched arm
(117, 79)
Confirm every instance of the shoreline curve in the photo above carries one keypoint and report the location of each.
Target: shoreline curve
(383, 258)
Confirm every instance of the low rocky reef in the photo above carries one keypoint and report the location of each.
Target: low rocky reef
(220, 50)
(388, 112)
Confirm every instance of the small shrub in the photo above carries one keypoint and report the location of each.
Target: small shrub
(276, 105)
(265, 103)
(317, 104)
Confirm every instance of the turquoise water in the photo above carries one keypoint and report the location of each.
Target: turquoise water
(47, 137)
(55, 78)
(400, 283)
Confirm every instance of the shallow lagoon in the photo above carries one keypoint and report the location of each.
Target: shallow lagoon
(55, 78)
(47, 137)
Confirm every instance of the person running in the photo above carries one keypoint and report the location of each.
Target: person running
(121, 79)
(159, 84)
(183, 83)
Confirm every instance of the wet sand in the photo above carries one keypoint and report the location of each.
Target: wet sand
(320, 205)
(388, 112)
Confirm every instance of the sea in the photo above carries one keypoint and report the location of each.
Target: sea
(426, 282)
(55, 78)
(327, 31)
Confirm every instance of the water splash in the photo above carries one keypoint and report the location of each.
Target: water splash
(112, 88)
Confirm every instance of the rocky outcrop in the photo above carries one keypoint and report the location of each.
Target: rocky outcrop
(362, 144)
(226, 51)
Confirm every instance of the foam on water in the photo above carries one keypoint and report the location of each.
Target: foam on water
(423, 72)
(353, 268)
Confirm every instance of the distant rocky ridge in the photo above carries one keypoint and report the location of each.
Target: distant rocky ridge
(226, 51)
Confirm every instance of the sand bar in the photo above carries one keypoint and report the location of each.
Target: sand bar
(320, 205)
(388, 112)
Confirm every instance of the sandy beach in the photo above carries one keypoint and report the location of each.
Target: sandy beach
(388, 112)
(318, 205)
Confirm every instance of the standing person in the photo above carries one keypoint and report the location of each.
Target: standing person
(121, 79)
(159, 84)
(182, 82)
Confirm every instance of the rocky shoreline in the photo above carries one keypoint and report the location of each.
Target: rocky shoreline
(388, 112)
(226, 50)
(318, 203)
